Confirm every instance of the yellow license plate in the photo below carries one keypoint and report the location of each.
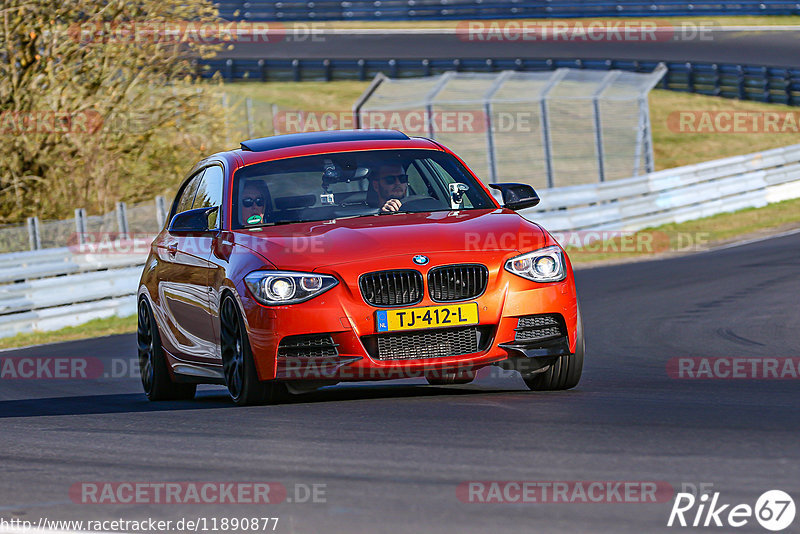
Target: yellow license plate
(427, 317)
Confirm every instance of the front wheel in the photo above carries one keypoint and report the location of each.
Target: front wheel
(238, 365)
(156, 381)
(565, 371)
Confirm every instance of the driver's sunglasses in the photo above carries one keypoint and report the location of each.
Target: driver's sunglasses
(402, 178)
(248, 202)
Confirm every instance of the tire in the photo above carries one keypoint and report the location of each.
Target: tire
(238, 365)
(449, 379)
(565, 371)
(157, 384)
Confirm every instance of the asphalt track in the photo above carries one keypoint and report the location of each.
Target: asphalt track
(392, 455)
(780, 48)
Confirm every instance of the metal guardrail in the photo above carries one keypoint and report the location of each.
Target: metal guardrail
(674, 195)
(745, 82)
(53, 288)
(293, 10)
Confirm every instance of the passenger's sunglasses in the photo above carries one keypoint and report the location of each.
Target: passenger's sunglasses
(402, 178)
(248, 202)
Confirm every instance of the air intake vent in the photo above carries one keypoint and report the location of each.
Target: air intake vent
(440, 343)
(457, 282)
(540, 327)
(391, 288)
(308, 346)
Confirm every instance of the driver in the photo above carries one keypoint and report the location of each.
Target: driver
(388, 187)
(254, 202)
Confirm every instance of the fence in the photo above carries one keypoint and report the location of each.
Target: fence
(52, 288)
(489, 9)
(548, 129)
(141, 218)
(745, 82)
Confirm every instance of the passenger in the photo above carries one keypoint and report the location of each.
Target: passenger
(254, 202)
(388, 188)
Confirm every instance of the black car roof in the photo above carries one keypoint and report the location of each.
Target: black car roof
(263, 144)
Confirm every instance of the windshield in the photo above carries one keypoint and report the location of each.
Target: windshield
(352, 184)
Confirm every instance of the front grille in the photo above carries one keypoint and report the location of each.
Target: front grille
(540, 327)
(428, 344)
(457, 282)
(391, 288)
(308, 346)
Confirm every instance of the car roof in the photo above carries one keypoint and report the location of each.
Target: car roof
(314, 138)
(312, 143)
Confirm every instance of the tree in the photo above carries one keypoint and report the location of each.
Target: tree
(100, 101)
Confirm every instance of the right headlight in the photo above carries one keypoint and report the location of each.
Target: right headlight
(543, 265)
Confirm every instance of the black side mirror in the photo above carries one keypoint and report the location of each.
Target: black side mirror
(517, 196)
(195, 220)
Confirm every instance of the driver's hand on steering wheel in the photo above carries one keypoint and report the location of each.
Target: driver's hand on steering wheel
(392, 205)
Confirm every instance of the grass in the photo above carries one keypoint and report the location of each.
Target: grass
(695, 235)
(338, 96)
(674, 149)
(95, 328)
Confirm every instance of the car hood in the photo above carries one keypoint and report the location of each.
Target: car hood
(310, 245)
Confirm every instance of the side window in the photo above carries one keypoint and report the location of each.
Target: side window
(209, 193)
(416, 183)
(444, 177)
(186, 197)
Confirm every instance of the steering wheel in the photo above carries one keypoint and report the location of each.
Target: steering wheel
(420, 202)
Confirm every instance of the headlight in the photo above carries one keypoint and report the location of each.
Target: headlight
(275, 288)
(543, 265)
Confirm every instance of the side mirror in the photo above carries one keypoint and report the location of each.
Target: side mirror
(517, 196)
(195, 220)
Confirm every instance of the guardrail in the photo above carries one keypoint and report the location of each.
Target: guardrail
(745, 82)
(258, 10)
(53, 288)
(673, 195)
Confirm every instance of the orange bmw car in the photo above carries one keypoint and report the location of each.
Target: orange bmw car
(300, 261)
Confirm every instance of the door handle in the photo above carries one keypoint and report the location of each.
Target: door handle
(172, 249)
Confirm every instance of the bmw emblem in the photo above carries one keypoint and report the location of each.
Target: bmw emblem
(419, 259)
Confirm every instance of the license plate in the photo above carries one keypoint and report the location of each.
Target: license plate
(427, 317)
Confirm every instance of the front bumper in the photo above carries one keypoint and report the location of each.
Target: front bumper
(351, 323)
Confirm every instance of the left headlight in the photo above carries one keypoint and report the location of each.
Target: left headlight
(543, 265)
(275, 288)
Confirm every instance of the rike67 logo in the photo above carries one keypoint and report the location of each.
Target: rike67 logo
(774, 510)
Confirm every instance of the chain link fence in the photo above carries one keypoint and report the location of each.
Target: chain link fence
(549, 129)
(141, 218)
